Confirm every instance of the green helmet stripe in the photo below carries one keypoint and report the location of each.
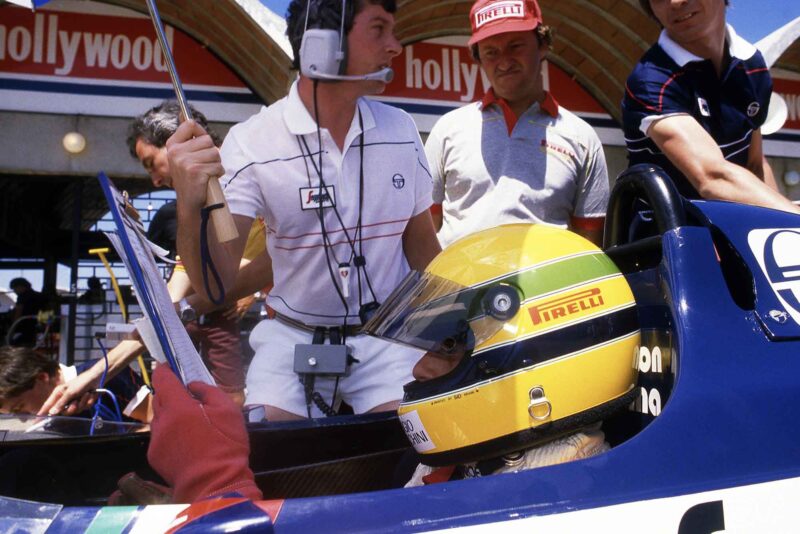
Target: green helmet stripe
(547, 277)
(565, 272)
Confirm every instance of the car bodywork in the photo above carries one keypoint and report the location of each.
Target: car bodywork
(710, 445)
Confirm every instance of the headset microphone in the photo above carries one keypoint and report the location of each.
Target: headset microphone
(385, 75)
(323, 55)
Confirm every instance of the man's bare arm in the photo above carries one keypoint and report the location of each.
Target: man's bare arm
(74, 396)
(419, 241)
(438, 218)
(254, 276)
(757, 163)
(179, 285)
(193, 160)
(697, 156)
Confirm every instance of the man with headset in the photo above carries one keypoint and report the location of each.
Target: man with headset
(343, 185)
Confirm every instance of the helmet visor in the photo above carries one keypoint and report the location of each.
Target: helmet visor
(434, 314)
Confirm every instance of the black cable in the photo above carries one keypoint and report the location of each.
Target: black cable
(335, 391)
(360, 229)
(205, 257)
(314, 396)
(322, 405)
(357, 257)
(325, 239)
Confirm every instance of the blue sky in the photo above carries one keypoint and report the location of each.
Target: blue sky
(753, 19)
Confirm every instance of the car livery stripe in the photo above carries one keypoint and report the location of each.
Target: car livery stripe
(113, 519)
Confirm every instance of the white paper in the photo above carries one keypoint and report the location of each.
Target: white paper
(190, 366)
(150, 339)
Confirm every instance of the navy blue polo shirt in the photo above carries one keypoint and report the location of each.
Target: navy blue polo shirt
(669, 80)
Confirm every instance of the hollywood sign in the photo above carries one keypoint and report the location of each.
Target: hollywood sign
(443, 71)
(103, 47)
(45, 44)
(793, 108)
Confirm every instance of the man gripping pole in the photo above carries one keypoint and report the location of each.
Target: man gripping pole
(215, 200)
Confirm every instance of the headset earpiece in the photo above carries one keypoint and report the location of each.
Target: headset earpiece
(323, 50)
(320, 54)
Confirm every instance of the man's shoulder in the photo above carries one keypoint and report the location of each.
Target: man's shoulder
(386, 114)
(260, 134)
(457, 117)
(577, 126)
(265, 116)
(756, 65)
(655, 66)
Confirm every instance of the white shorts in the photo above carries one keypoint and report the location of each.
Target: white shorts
(378, 377)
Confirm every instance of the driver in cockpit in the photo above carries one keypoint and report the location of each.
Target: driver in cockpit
(529, 332)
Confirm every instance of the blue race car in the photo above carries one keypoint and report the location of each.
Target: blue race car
(709, 444)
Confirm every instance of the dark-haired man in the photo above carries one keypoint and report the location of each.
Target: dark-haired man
(695, 103)
(516, 156)
(216, 333)
(344, 189)
(28, 378)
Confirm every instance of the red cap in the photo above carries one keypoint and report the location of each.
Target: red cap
(490, 17)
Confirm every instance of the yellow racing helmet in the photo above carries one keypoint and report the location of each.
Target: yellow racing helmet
(541, 328)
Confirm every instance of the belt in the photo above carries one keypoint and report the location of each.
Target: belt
(349, 331)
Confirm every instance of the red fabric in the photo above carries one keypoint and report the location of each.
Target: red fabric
(587, 223)
(491, 17)
(436, 209)
(198, 444)
(220, 347)
(442, 474)
(549, 106)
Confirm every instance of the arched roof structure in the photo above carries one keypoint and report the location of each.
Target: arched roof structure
(781, 48)
(598, 42)
(790, 59)
(244, 34)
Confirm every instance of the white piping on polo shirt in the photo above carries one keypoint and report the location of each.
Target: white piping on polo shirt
(650, 119)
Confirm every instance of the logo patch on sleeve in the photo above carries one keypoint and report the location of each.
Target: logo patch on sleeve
(314, 198)
(702, 105)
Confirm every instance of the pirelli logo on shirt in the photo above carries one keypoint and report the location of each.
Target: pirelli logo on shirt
(314, 198)
(511, 9)
(560, 151)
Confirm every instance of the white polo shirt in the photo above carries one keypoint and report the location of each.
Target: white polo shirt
(548, 169)
(270, 173)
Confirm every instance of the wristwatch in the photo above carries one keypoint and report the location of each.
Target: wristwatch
(185, 311)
